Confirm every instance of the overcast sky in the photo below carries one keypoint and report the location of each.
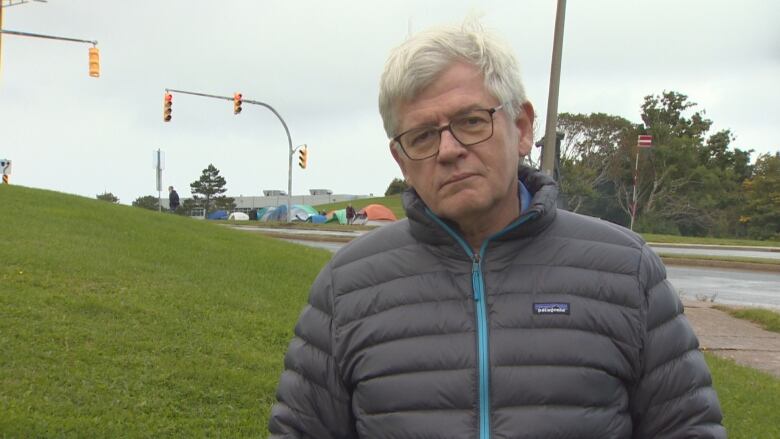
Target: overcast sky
(318, 63)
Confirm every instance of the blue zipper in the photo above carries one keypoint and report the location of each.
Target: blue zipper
(482, 344)
(478, 285)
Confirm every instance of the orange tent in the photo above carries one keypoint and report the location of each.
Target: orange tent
(377, 212)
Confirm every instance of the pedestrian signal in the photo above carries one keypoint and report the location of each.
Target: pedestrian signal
(237, 101)
(94, 62)
(303, 156)
(167, 103)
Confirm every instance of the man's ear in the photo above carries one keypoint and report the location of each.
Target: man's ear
(397, 156)
(525, 124)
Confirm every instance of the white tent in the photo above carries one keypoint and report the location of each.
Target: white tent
(238, 216)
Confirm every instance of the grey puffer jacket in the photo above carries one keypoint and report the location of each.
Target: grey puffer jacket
(562, 326)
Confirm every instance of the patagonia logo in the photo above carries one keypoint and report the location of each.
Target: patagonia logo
(551, 308)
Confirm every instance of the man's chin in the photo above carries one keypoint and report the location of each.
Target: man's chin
(461, 206)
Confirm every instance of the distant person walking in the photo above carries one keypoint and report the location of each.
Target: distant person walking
(173, 199)
(350, 214)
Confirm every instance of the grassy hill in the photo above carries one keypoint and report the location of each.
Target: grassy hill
(393, 202)
(121, 322)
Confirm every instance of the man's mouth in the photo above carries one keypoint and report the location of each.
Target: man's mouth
(457, 178)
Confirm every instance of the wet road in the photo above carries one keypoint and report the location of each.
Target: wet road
(729, 286)
(747, 288)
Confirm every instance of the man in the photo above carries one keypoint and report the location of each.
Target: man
(487, 313)
(350, 213)
(173, 199)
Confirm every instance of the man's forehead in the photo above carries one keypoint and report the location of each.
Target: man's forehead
(433, 112)
(459, 87)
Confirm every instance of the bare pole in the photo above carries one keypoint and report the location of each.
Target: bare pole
(548, 151)
(290, 149)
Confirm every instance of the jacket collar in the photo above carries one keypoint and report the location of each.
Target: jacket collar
(544, 193)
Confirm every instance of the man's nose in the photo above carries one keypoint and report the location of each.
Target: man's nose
(449, 147)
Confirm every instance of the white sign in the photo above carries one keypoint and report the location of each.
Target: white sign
(5, 165)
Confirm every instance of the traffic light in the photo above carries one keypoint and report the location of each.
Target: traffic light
(94, 62)
(303, 156)
(237, 101)
(167, 102)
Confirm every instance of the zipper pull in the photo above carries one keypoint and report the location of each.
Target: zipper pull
(476, 274)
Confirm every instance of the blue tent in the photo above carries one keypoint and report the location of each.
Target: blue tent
(218, 215)
(317, 219)
(300, 212)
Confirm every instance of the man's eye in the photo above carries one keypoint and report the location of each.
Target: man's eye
(471, 122)
(421, 137)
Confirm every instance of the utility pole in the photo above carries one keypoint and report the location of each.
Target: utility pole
(548, 151)
(290, 150)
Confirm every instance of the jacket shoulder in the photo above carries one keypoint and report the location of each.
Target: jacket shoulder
(589, 228)
(606, 246)
(380, 240)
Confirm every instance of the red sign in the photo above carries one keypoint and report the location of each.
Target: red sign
(645, 141)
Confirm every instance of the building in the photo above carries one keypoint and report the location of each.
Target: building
(273, 198)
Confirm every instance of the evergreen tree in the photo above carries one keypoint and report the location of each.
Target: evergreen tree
(396, 186)
(107, 196)
(208, 190)
(147, 202)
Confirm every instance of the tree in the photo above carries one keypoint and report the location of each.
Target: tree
(147, 202)
(107, 196)
(761, 212)
(689, 182)
(186, 207)
(396, 186)
(590, 145)
(208, 190)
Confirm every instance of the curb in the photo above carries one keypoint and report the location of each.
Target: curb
(713, 246)
(692, 262)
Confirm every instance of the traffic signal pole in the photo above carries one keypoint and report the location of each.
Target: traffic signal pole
(94, 62)
(50, 37)
(290, 149)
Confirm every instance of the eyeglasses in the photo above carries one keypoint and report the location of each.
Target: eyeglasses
(470, 128)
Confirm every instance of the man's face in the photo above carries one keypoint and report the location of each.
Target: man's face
(465, 184)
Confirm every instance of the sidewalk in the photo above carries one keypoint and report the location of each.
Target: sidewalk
(737, 339)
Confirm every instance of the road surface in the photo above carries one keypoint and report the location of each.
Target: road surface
(747, 288)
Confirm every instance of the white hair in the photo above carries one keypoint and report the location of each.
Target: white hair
(418, 61)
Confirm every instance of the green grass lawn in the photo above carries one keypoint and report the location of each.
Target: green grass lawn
(767, 319)
(674, 239)
(122, 322)
(765, 261)
(750, 399)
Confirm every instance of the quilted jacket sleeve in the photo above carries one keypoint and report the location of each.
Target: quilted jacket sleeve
(674, 397)
(312, 399)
